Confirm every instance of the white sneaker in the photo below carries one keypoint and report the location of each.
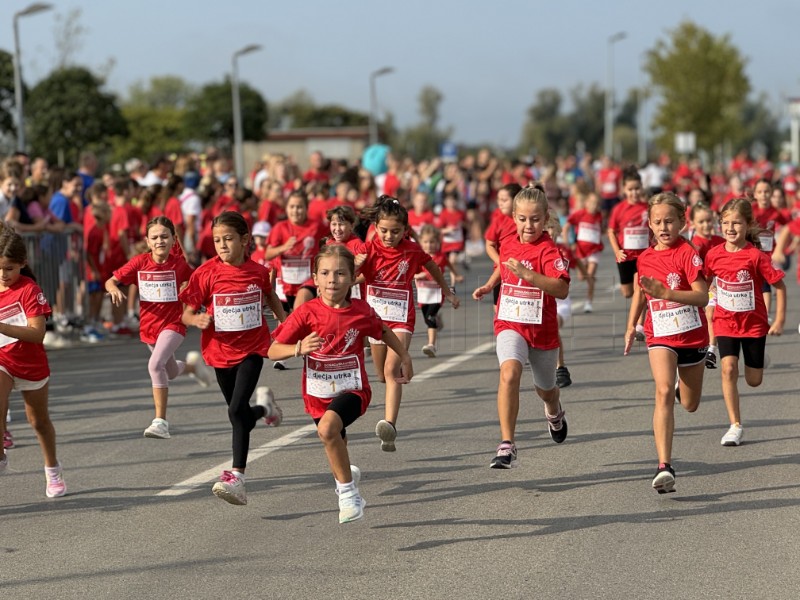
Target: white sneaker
(202, 373)
(733, 437)
(56, 487)
(587, 307)
(351, 506)
(231, 489)
(273, 415)
(388, 434)
(355, 473)
(429, 350)
(159, 429)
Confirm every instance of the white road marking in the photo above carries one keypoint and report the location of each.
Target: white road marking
(191, 484)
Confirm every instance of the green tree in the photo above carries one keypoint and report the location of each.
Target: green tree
(68, 111)
(424, 140)
(300, 110)
(168, 91)
(585, 122)
(702, 85)
(209, 114)
(544, 130)
(760, 126)
(7, 101)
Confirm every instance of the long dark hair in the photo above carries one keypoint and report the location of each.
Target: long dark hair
(13, 248)
(386, 207)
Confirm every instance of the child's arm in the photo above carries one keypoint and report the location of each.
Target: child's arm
(492, 252)
(393, 342)
(456, 275)
(191, 317)
(487, 287)
(273, 251)
(619, 253)
(554, 286)
(697, 296)
(33, 332)
(431, 268)
(116, 294)
(311, 343)
(780, 308)
(637, 306)
(781, 245)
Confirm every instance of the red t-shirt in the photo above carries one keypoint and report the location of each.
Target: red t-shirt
(670, 323)
(172, 210)
(416, 221)
(94, 241)
(452, 241)
(501, 227)
(428, 291)
(270, 212)
(296, 264)
(356, 247)
(389, 274)
(629, 223)
(609, 180)
(337, 367)
(159, 284)
(234, 296)
(21, 359)
(703, 244)
(118, 227)
(588, 232)
(740, 310)
(536, 318)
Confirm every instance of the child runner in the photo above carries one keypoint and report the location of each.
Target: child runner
(563, 305)
(740, 319)
(671, 281)
(329, 332)
(451, 223)
(391, 263)
(235, 339)
(160, 274)
(420, 213)
(501, 226)
(767, 217)
(23, 361)
(343, 221)
(532, 274)
(429, 294)
(588, 223)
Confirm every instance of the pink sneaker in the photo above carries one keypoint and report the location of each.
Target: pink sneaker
(55, 482)
(273, 415)
(8, 440)
(230, 488)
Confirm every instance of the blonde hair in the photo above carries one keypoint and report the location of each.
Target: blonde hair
(669, 199)
(744, 207)
(432, 231)
(533, 194)
(553, 225)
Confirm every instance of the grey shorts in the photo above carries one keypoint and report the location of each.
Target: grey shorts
(512, 346)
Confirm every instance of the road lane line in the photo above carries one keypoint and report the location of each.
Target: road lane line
(191, 484)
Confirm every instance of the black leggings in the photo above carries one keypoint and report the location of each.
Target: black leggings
(429, 312)
(238, 384)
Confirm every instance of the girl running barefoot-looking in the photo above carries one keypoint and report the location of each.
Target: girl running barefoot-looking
(233, 290)
(532, 275)
(329, 332)
(740, 318)
(389, 268)
(23, 361)
(160, 274)
(672, 283)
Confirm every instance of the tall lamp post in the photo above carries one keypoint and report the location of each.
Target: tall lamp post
(34, 8)
(373, 103)
(609, 128)
(238, 154)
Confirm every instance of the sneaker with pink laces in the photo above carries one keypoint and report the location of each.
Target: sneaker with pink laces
(273, 415)
(230, 488)
(8, 440)
(55, 482)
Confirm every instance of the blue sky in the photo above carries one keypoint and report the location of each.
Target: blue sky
(488, 58)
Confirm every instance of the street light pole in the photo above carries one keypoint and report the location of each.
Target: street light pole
(373, 103)
(238, 154)
(609, 127)
(34, 8)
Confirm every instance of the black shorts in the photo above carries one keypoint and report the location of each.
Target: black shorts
(687, 357)
(766, 288)
(496, 293)
(627, 271)
(290, 299)
(608, 203)
(348, 407)
(751, 348)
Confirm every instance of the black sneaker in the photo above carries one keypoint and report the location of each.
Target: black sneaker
(560, 421)
(506, 456)
(562, 377)
(711, 360)
(278, 365)
(664, 481)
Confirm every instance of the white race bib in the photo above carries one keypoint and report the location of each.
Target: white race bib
(635, 238)
(589, 233)
(13, 315)
(295, 271)
(237, 311)
(767, 240)
(609, 187)
(736, 296)
(520, 304)
(158, 286)
(428, 292)
(672, 318)
(456, 236)
(329, 377)
(390, 304)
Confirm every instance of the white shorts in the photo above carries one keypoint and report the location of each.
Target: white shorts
(564, 308)
(372, 340)
(512, 346)
(593, 258)
(25, 385)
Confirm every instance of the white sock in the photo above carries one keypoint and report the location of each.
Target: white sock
(239, 475)
(345, 487)
(712, 348)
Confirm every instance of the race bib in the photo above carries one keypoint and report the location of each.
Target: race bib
(158, 286)
(13, 315)
(390, 304)
(635, 238)
(736, 296)
(520, 304)
(767, 240)
(589, 233)
(454, 237)
(237, 312)
(295, 271)
(672, 318)
(428, 292)
(329, 377)
(609, 187)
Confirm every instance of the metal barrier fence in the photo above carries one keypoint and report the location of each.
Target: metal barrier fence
(57, 261)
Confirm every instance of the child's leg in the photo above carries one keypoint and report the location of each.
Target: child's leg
(163, 367)
(730, 389)
(378, 352)
(691, 385)
(429, 314)
(591, 269)
(329, 430)
(391, 369)
(6, 384)
(664, 364)
(753, 350)
(39, 418)
(543, 368)
(508, 398)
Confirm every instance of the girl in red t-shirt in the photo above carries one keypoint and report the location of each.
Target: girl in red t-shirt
(672, 283)
(420, 213)
(531, 274)
(235, 338)
(159, 276)
(501, 226)
(740, 318)
(342, 220)
(451, 223)
(389, 268)
(23, 361)
(588, 223)
(329, 332)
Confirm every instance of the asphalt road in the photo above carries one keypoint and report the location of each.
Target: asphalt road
(577, 520)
